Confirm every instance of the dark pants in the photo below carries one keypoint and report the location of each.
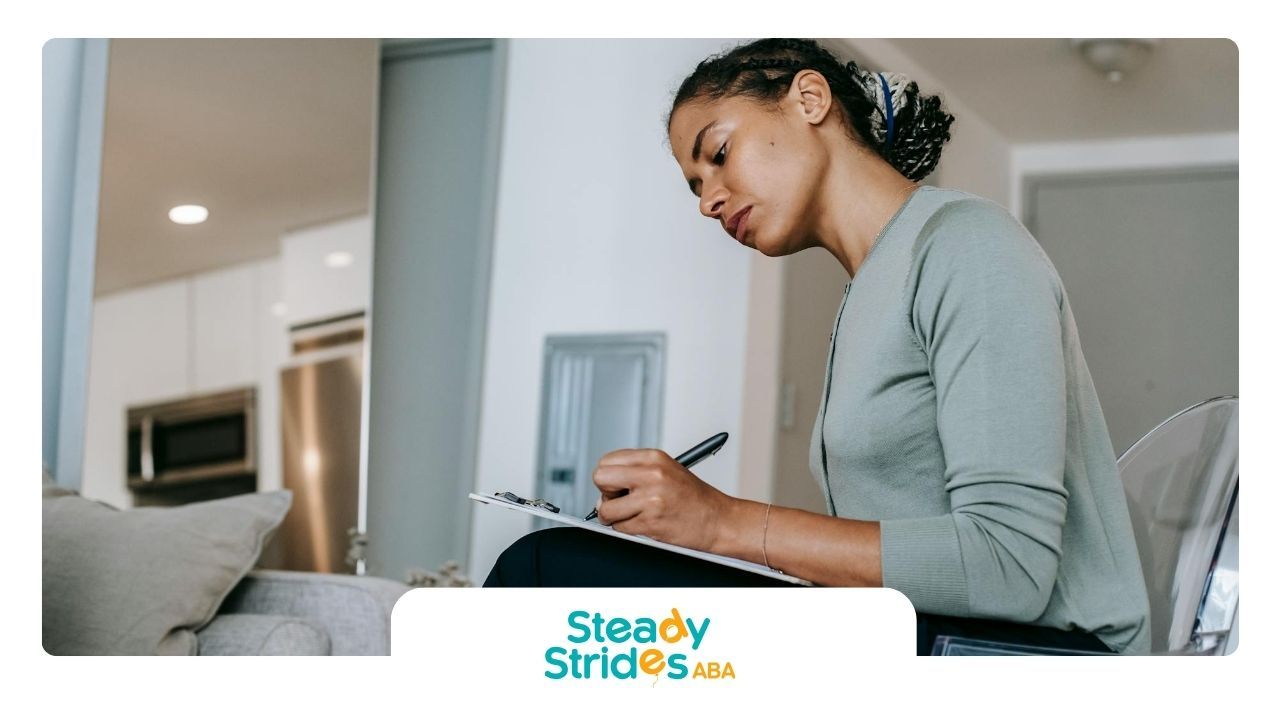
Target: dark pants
(573, 557)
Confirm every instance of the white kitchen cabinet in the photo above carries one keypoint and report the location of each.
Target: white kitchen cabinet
(140, 353)
(224, 341)
(325, 270)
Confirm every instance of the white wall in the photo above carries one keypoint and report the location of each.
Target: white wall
(597, 232)
(761, 378)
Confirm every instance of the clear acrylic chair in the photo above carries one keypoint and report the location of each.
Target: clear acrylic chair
(1181, 481)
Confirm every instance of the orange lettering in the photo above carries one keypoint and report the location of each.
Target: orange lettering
(652, 661)
(714, 671)
(674, 623)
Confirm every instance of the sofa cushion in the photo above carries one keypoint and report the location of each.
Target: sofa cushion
(142, 581)
(355, 612)
(263, 635)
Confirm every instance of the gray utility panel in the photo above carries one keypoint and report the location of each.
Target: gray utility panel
(599, 393)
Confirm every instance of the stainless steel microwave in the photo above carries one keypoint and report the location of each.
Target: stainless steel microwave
(193, 440)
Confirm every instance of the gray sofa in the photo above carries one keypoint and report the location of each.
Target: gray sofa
(181, 581)
(278, 612)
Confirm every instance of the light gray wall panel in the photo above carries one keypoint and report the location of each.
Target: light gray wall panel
(1151, 267)
(432, 234)
(74, 109)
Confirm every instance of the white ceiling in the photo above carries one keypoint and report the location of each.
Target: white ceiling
(274, 135)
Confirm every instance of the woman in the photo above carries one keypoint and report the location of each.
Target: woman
(959, 444)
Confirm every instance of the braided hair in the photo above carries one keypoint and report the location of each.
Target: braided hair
(910, 137)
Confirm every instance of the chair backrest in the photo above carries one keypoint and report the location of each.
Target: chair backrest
(1181, 482)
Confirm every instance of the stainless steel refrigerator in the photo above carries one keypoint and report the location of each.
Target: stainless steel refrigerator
(320, 405)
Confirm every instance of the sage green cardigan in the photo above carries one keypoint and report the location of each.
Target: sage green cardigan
(958, 412)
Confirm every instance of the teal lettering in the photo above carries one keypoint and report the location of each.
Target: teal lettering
(696, 633)
(619, 630)
(675, 664)
(630, 658)
(552, 652)
(646, 631)
(586, 631)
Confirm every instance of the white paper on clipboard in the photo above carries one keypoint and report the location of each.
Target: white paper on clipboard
(596, 526)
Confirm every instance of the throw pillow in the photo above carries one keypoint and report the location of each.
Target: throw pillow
(142, 581)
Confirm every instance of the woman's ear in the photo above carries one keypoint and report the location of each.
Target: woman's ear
(810, 95)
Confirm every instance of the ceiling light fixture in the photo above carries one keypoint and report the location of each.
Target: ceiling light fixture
(338, 259)
(1114, 57)
(189, 214)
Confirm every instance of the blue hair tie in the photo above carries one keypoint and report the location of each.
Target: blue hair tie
(888, 114)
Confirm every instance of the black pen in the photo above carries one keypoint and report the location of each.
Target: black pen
(693, 455)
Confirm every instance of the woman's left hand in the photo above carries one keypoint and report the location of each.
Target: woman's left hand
(663, 500)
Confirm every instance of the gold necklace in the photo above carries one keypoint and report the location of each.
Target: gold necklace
(904, 197)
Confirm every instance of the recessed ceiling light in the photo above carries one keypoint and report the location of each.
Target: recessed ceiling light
(189, 214)
(338, 259)
(279, 309)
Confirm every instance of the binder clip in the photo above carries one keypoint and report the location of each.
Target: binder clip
(532, 503)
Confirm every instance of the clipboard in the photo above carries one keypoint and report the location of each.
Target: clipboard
(597, 526)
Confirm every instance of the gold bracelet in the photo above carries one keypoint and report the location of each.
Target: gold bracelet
(764, 538)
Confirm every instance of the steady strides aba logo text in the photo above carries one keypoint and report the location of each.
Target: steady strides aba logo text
(600, 648)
